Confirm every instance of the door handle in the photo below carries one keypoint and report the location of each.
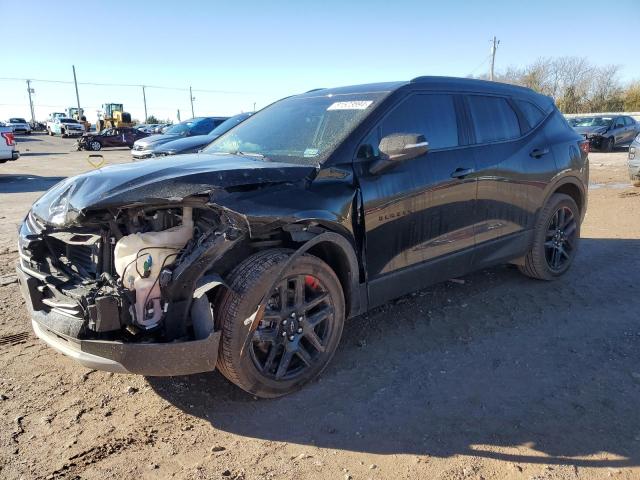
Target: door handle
(539, 152)
(461, 172)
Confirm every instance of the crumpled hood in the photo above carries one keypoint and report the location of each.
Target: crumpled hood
(158, 139)
(590, 130)
(161, 181)
(187, 143)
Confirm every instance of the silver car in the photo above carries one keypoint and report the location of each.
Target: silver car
(19, 126)
(634, 159)
(606, 132)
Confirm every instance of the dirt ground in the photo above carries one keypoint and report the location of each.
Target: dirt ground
(497, 377)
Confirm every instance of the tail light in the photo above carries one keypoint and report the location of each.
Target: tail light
(584, 146)
(9, 138)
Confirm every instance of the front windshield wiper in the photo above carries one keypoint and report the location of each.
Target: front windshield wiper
(244, 154)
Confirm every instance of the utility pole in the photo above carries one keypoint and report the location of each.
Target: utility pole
(77, 95)
(494, 46)
(193, 115)
(144, 99)
(178, 115)
(30, 91)
(254, 107)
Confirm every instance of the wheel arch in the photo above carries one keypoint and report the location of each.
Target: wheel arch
(337, 252)
(573, 187)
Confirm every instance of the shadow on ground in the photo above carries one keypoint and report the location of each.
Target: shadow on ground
(500, 361)
(26, 183)
(41, 154)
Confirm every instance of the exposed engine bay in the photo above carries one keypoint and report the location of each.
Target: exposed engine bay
(116, 274)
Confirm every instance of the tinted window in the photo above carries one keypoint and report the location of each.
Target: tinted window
(629, 120)
(493, 118)
(532, 114)
(203, 127)
(434, 116)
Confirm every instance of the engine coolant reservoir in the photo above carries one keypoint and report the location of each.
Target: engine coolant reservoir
(140, 257)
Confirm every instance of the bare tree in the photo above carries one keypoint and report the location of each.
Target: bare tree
(576, 85)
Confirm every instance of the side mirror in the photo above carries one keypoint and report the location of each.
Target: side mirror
(398, 147)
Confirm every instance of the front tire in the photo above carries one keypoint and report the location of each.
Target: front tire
(556, 238)
(300, 322)
(95, 146)
(609, 144)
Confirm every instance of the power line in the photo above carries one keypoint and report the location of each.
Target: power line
(131, 85)
(486, 59)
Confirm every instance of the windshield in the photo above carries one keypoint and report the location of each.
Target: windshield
(593, 122)
(17, 120)
(180, 128)
(67, 120)
(302, 129)
(228, 124)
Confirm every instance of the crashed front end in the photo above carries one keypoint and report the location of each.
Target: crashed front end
(151, 317)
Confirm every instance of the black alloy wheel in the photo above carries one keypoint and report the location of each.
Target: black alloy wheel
(560, 239)
(281, 322)
(297, 322)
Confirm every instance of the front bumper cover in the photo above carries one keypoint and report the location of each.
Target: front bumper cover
(149, 359)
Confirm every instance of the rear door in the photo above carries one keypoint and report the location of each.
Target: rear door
(511, 157)
(632, 129)
(619, 130)
(418, 215)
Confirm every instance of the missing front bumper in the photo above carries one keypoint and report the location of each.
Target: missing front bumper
(149, 359)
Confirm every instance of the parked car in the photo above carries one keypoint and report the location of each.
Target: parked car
(8, 149)
(634, 160)
(607, 132)
(146, 147)
(194, 144)
(252, 254)
(110, 137)
(65, 127)
(19, 126)
(148, 127)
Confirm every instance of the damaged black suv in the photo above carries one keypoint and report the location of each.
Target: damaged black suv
(250, 255)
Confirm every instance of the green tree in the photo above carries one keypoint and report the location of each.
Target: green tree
(152, 119)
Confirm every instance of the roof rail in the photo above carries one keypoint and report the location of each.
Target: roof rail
(315, 90)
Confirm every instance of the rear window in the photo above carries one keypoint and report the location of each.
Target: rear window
(532, 114)
(493, 118)
(17, 120)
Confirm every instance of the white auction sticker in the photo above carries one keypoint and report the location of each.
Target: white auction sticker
(353, 105)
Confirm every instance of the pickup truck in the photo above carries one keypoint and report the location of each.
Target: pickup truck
(7, 145)
(67, 127)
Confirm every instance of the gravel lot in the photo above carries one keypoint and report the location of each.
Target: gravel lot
(498, 376)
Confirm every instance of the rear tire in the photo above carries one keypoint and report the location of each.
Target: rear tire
(295, 338)
(554, 246)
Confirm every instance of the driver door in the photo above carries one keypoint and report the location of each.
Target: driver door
(420, 214)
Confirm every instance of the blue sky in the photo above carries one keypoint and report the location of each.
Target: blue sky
(264, 50)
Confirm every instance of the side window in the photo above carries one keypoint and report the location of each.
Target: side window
(203, 127)
(217, 123)
(619, 123)
(630, 121)
(532, 114)
(434, 116)
(493, 118)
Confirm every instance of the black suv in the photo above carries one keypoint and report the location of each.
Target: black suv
(251, 255)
